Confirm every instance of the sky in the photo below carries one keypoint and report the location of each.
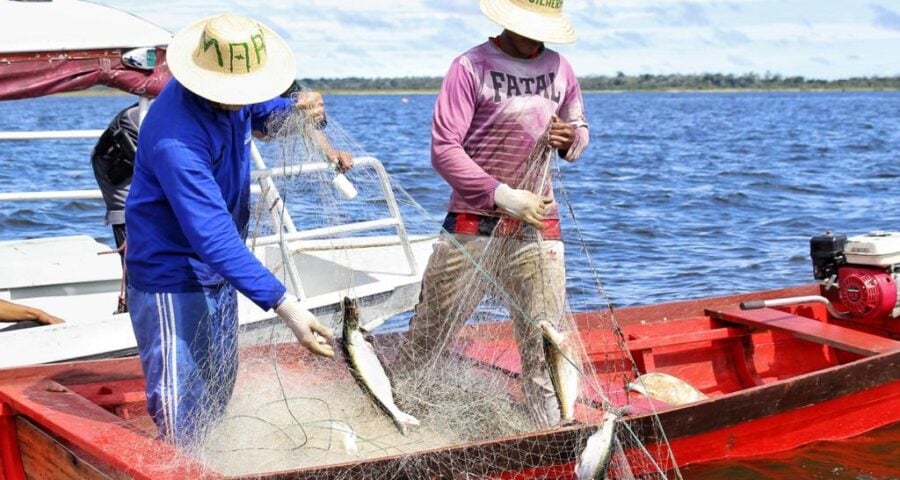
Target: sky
(826, 39)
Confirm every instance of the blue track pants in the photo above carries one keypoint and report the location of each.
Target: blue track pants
(188, 348)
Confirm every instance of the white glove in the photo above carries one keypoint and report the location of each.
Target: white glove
(305, 326)
(522, 205)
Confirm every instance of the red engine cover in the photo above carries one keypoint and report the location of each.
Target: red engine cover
(868, 293)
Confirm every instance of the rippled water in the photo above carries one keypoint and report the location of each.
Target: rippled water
(873, 456)
(679, 196)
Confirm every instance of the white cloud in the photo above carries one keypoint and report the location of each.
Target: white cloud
(338, 38)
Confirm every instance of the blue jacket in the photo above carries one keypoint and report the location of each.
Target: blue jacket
(188, 209)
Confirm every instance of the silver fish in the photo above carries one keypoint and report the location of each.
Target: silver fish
(367, 369)
(597, 454)
(563, 363)
(666, 388)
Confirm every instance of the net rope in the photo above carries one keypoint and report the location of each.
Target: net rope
(471, 363)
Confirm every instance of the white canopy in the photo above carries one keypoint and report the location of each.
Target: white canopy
(61, 25)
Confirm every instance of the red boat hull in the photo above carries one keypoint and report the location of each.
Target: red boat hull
(771, 389)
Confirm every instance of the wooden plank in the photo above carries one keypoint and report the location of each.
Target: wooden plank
(843, 338)
(669, 312)
(649, 343)
(112, 393)
(683, 338)
(44, 457)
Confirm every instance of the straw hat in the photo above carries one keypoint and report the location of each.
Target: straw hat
(231, 59)
(540, 20)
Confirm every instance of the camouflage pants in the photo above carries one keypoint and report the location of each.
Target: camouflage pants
(528, 277)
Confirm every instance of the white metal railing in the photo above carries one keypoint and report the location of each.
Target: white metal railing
(50, 134)
(282, 222)
(281, 219)
(394, 220)
(51, 195)
(54, 195)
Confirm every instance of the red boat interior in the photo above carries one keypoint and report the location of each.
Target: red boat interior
(96, 409)
(721, 351)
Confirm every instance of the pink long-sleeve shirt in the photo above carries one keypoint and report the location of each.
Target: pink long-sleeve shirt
(490, 112)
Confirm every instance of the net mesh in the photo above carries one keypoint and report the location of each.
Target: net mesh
(507, 368)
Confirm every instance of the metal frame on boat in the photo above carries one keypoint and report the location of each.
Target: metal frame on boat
(68, 277)
(65, 275)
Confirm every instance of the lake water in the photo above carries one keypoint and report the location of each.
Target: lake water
(678, 196)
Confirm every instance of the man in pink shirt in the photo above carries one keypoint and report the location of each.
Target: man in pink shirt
(497, 102)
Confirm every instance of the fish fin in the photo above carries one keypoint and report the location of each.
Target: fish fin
(636, 387)
(404, 420)
(410, 420)
(347, 437)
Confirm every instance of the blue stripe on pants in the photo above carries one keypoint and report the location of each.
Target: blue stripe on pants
(188, 348)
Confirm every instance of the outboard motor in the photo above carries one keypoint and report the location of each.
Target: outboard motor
(860, 274)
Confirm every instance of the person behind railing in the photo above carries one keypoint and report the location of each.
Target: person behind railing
(21, 316)
(496, 102)
(187, 216)
(313, 105)
(112, 160)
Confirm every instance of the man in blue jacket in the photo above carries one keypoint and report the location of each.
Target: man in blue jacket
(187, 216)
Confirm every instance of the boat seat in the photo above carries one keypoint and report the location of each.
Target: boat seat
(836, 336)
(642, 344)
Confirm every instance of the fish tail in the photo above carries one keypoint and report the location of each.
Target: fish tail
(403, 421)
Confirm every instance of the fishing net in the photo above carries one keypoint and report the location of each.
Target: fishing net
(507, 367)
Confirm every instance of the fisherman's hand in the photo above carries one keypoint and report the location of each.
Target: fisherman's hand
(45, 318)
(305, 327)
(313, 105)
(522, 205)
(13, 312)
(343, 160)
(562, 135)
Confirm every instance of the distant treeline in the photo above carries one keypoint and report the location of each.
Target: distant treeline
(706, 81)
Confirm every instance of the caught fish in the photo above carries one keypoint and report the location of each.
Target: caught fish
(666, 388)
(347, 437)
(367, 369)
(563, 363)
(597, 454)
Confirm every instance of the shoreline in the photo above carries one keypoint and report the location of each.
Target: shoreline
(110, 92)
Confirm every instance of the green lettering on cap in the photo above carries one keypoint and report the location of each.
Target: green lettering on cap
(240, 51)
(259, 46)
(207, 42)
(547, 3)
